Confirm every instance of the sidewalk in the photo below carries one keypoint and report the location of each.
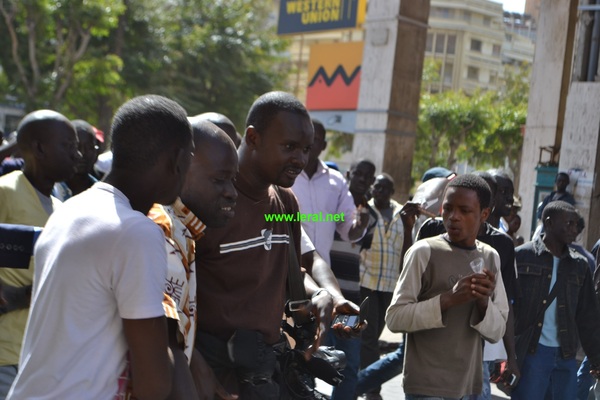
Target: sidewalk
(392, 390)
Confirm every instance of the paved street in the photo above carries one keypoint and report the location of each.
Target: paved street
(392, 390)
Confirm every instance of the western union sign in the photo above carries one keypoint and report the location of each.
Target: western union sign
(301, 16)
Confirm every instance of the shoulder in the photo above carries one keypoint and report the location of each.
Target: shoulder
(336, 175)
(11, 179)
(290, 203)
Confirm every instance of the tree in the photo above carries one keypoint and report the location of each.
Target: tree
(43, 41)
(223, 55)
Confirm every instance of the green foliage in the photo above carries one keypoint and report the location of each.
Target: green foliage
(42, 41)
(223, 57)
(85, 57)
(483, 129)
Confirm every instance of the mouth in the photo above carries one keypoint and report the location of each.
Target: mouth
(453, 230)
(228, 211)
(292, 172)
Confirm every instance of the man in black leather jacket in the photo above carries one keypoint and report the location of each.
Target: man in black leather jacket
(572, 316)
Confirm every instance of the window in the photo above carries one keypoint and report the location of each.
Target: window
(476, 45)
(473, 73)
(442, 12)
(448, 72)
(451, 45)
(487, 21)
(496, 50)
(429, 43)
(467, 16)
(493, 77)
(439, 43)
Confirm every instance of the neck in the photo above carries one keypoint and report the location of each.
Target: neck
(138, 188)
(481, 229)
(311, 167)
(494, 220)
(247, 181)
(384, 205)
(79, 183)
(555, 247)
(40, 182)
(359, 198)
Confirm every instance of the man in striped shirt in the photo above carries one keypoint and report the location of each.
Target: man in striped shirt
(381, 263)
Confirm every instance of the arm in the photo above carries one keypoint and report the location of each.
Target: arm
(408, 214)
(183, 384)
(406, 313)
(586, 318)
(324, 277)
(351, 230)
(509, 345)
(491, 323)
(152, 362)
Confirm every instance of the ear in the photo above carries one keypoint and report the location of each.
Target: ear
(324, 145)
(485, 213)
(252, 137)
(37, 149)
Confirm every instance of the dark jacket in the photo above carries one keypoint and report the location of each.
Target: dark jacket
(578, 313)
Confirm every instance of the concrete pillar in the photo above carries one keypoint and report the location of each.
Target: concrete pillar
(551, 78)
(579, 151)
(388, 106)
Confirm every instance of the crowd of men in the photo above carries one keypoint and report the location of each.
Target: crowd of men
(153, 272)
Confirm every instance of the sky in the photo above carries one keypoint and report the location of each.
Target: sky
(512, 5)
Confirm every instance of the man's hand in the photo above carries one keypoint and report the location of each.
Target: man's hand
(409, 214)
(346, 307)
(512, 368)
(478, 287)
(360, 223)
(483, 289)
(322, 309)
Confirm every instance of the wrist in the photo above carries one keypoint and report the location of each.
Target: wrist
(320, 292)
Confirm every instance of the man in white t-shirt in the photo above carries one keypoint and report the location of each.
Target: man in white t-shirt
(96, 310)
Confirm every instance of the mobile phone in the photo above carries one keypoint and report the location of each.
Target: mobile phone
(353, 321)
(347, 320)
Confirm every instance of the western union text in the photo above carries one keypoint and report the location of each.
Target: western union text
(316, 11)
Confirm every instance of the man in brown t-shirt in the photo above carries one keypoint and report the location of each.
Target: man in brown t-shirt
(450, 296)
(243, 267)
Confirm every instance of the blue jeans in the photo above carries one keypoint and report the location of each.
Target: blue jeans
(545, 371)
(8, 373)
(585, 381)
(351, 347)
(418, 397)
(381, 371)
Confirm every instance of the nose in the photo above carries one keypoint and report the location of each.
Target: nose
(230, 192)
(300, 158)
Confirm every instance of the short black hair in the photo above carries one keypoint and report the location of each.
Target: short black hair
(490, 180)
(82, 126)
(387, 177)
(562, 174)
(499, 172)
(475, 183)
(363, 161)
(267, 106)
(554, 208)
(318, 125)
(145, 127)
